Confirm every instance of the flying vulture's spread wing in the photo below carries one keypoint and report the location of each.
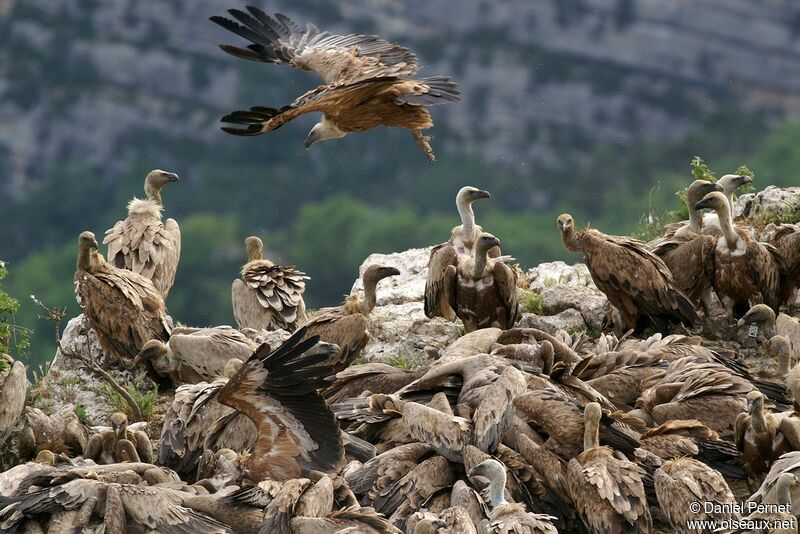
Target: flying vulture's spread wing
(338, 59)
(277, 391)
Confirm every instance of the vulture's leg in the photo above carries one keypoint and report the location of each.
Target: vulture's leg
(424, 143)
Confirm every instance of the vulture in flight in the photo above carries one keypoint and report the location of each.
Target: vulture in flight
(278, 391)
(746, 271)
(143, 243)
(636, 281)
(367, 80)
(124, 308)
(267, 296)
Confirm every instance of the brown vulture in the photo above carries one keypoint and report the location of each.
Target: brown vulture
(268, 296)
(367, 80)
(636, 281)
(142, 243)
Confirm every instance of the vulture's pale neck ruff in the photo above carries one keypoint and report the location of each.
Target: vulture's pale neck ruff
(150, 209)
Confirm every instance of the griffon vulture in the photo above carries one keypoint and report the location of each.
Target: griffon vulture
(505, 516)
(277, 391)
(119, 444)
(124, 308)
(460, 245)
(746, 272)
(608, 492)
(346, 325)
(769, 492)
(482, 290)
(143, 243)
(636, 281)
(13, 389)
(268, 296)
(781, 520)
(373, 377)
(682, 481)
(786, 239)
(60, 432)
(195, 354)
(367, 80)
(782, 325)
(729, 184)
(688, 254)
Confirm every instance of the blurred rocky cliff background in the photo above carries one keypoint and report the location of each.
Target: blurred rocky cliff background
(590, 106)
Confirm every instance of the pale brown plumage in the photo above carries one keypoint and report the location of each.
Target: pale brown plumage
(119, 444)
(746, 271)
(458, 248)
(277, 391)
(482, 290)
(383, 471)
(607, 492)
(268, 296)
(682, 481)
(13, 389)
(143, 243)
(759, 439)
(620, 376)
(195, 354)
(786, 239)
(687, 253)
(355, 520)
(123, 308)
(636, 281)
(366, 79)
(60, 432)
(347, 325)
(373, 377)
(768, 492)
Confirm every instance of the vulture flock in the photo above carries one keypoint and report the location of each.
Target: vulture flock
(509, 430)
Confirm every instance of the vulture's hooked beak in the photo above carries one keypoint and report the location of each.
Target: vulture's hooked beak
(311, 139)
(95, 246)
(172, 177)
(703, 204)
(390, 271)
(741, 323)
(482, 194)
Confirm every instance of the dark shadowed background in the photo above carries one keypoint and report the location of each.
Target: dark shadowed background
(590, 106)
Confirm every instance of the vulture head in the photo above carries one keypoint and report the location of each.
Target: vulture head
(700, 188)
(232, 367)
(255, 248)
(731, 182)
(322, 131)
(468, 194)
(755, 402)
(119, 424)
(715, 201)
(375, 273)
(429, 526)
(495, 472)
(485, 242)
(781, 348)
(761, 315)
(157, 179)
(87, 241)
(151, 350)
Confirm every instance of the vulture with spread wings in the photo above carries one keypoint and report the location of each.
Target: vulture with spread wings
(367, 79)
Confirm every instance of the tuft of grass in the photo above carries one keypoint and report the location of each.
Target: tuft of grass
(743, 170)
(4, 365)
(81, 414)
(575, 329)
(532, 302)
(789, 215)
(403, 361)
(549, 282)
(146, 401)
(593, 332)
(701, 171)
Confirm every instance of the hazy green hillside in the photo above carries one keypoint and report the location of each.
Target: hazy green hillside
(568, 106)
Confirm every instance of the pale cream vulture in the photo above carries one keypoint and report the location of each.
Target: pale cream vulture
(746, 272)
(268, 296)
(347, 325)
(143, 243)
(277, 391)
(124, 308)
(195, 354)
(636, 281)
(482, 290)
(367, 79)
(13, 389)
(458, 247)
(608, 492)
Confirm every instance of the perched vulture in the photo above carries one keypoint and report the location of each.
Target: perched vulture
(608, 492)
(346, 325)
(268, 296)
(770, 491)
(460, 245)
(482, 290)
(687, 253)
(195, 354)
(124, 308)
(786, 239)
(60, 432)
(277, 392)
(782, 521)
(682, 481)
(781, 325)
(505, 516)
(746, 272)
(119, 444)
(636, 281)
(367, 79)
(144, 244)
(13, 389)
